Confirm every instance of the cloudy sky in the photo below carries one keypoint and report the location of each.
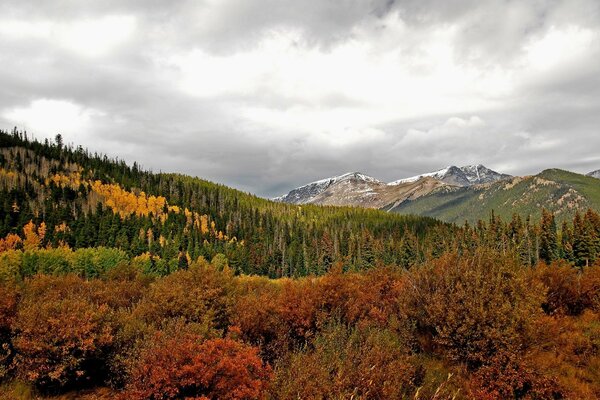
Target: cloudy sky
(267, 95)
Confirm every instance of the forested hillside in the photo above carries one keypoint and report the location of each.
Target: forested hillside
(80, 200)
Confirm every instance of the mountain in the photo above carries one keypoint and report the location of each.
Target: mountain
(459, 176)
(562, 192)
(307, 193)
(595, 174)
(358, 190)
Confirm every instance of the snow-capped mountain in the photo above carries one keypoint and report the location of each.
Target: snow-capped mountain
(359, 190)
(305, 194)
(594, 174)
(459, 176)
(356, 189)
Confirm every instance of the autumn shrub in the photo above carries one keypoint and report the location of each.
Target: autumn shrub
(567, 348)
(471, 307)
(349, 363)
(201, 294)
(508, 376)
(282, 315)
(9, 298)
(255, 314)
(187, 367)
(373, 297)
(62, 338)
(590, 287)
(563, 283)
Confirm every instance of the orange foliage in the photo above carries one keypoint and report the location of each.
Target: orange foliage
(507, 376)
(472, 308)
(33, 236)
(61, 333)
(200, 294)
(125, 203)
(10, 242)
(186, 368)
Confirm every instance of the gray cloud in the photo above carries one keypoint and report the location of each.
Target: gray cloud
(264, 96)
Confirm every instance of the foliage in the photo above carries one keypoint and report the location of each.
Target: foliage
(186, 367)
(357, 363)
(473, 308)
(61, 335)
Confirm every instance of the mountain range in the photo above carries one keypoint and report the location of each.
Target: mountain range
(458, 194)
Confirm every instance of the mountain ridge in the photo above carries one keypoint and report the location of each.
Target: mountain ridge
(358, 189)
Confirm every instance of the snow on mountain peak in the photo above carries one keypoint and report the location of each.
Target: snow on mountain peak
(306, 193)
(460, 176)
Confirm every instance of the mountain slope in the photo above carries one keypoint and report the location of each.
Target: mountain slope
(306, 194)
(358, 190)
(460, 176)
(374, 195)
(561, 192)
(595, 174)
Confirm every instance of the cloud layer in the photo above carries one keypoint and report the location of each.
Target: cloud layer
(267, 95)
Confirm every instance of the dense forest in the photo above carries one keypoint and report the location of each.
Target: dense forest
(117, 282)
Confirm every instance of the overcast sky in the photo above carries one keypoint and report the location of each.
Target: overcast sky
(267, 95)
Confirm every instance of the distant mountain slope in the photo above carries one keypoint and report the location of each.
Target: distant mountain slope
(460, 176)
(559, 191)
(358, 190)
(305, 194)
(595, 174)
(374, 195)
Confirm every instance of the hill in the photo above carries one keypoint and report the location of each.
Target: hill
(82, 200)
(561, 192)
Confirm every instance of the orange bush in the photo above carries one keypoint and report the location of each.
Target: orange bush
(470, 308)
(590, 287)
(62, 337)
(186, 368)
(201, 294)
(506, 376)
(564, 289)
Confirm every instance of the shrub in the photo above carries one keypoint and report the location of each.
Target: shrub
(349, 363)
(184, 367)
(200, 295)
(472, 307)
(62, 337)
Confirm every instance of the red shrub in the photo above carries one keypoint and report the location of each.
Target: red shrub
(185, 368)
(506, 376)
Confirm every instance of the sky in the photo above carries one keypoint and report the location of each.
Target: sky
(267, 95)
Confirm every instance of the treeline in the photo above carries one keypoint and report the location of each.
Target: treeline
(478, 326)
